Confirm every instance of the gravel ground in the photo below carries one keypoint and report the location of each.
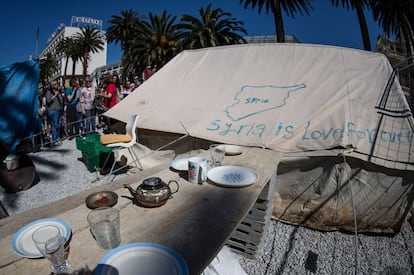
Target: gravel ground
(60, 174)
(285, 249)
(288, 249)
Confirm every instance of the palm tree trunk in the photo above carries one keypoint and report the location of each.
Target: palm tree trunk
(85, 65)
(73, 67)
(364, 27)
(66, 67)
(277, 16)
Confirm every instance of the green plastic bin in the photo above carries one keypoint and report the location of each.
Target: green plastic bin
(88, 143)
(92, 148)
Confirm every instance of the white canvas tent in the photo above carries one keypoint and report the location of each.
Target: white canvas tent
(292, 98)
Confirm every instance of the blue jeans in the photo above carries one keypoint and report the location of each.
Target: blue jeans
(55, 117)
(81, 123)
(90, 121)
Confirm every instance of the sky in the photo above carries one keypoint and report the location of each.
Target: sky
(21, 18)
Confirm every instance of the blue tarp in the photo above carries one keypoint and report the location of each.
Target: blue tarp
(19, 93)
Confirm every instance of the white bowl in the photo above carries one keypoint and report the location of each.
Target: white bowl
(12, 162)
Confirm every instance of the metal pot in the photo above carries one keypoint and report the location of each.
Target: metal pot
(152, 192)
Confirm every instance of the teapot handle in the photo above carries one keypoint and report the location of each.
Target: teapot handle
(178, 186)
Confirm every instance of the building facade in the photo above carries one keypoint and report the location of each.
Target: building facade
(113, 68)
(97, 59)
(269, 39)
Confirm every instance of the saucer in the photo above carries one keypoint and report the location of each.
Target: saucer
(232, 150)
(180, 164)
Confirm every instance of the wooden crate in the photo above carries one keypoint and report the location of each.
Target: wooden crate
(247, 238)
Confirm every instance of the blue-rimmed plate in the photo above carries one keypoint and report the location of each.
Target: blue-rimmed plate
(142, 258)
(22, 243)
(232, 176)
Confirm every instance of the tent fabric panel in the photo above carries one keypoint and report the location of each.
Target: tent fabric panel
(316, 192)
(287, 97)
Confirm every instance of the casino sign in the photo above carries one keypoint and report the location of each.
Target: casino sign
(81, 21)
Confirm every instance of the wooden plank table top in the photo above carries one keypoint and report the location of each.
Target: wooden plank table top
(195, 222)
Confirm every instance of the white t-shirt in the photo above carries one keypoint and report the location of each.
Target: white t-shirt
(87, 97)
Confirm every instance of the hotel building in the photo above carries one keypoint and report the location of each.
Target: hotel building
(62, 31)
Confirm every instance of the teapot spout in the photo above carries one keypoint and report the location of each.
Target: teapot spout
(132, 191)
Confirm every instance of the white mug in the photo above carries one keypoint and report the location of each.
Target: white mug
(197, 169)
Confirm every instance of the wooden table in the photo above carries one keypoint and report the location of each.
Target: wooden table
(196, 222)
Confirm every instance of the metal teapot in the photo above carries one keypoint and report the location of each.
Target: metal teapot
(152, 192)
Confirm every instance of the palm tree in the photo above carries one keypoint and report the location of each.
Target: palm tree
(67, 49)
(88, 41)
(48, 64)
(358, 6)
(396, 17)
(124, 28)
(157, 43)
(291, 7)
(76, 56)
(214, 28)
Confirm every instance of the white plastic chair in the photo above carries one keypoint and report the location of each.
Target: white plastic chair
(130, 128)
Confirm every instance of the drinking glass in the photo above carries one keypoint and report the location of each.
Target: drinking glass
(217, 153)
(51, 244)
(104, 224)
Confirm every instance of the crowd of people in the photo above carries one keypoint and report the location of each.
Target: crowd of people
(76, 110)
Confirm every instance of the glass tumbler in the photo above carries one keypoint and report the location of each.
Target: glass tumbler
(217, 152)
(105, 227)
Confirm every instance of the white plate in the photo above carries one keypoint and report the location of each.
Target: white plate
(22, 243)
(142, 258)
(232, 176)
(232, 150)
(180, 164)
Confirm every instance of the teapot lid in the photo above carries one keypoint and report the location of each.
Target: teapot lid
(152, 183)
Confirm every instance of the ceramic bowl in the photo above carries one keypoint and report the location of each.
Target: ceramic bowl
(101, 199)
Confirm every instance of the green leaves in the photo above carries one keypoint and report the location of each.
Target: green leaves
(214, 28)
(157, 39)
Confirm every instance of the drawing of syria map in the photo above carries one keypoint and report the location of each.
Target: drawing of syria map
(253, 100)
